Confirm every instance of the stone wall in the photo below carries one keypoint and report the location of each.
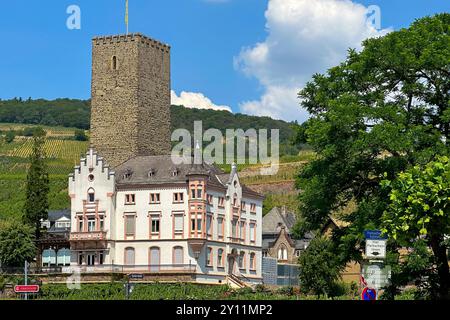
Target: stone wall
(130, 97)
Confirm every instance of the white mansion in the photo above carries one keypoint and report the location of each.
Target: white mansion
(133, 211)
(152, 217)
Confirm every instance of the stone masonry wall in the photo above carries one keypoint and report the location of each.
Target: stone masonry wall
(130, 103)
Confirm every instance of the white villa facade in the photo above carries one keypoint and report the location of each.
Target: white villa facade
(149, 216)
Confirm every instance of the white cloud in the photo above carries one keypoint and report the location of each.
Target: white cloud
(304, 37)
(195, 100)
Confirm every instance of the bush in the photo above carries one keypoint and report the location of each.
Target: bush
(320, 268)
(288, 291)
(80, 135)
(2, 282)
(10, 135)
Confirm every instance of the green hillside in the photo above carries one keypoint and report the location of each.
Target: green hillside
(61, 118)
(72, 113)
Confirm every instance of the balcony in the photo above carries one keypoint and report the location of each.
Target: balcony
(88, 236)
(196, 245)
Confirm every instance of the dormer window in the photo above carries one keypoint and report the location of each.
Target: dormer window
(128, 173)
(175, 172)
(151, 173)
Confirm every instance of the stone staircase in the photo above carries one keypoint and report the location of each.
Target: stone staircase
(236, 283)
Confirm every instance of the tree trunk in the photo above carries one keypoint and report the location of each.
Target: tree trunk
(440, 253)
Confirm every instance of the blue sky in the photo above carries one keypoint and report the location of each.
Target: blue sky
(236, 53)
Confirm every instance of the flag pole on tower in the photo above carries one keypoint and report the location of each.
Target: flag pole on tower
(126, 15)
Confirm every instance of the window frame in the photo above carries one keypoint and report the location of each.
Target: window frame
(176, 232)
(130, 199)
(157, 198)
(209, 257)
(126, 217)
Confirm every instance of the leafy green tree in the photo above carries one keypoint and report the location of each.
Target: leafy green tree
(419, 209)
(9, 136)
(382, 110)
(319, 267)
(38, 184)
(16, 244)
(80, 135)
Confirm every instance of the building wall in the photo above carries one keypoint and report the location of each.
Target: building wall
(130, 103)
(143, 211)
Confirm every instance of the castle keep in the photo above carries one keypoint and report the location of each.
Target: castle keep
(130, 97)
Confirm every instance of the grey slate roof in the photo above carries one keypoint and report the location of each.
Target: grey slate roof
(145, 170)
(161, 169)
(55, 215)
(277, 218)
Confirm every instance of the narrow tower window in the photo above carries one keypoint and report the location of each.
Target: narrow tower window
(114, 63)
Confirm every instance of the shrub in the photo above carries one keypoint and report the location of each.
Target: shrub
(10, 135)
(80, 135)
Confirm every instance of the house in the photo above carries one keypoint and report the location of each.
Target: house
(153, 217)
(278, 241)
(54, 245)
(280, 248)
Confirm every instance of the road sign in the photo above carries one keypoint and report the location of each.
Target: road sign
(369, 294)
(376, 275)
(26, 289)
(136, 276)
(374, 235)
(375, 249)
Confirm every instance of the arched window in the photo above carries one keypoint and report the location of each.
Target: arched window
(252, 261)
(129, 256)
(155, 259)
(49, 258)
(282, 253)
(91, 195)
(114, 63)
(178, 255)
(220, 257)
(242, 260)
(63, 257)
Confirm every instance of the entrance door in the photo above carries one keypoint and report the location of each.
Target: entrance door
(232, 262)
(90, 259)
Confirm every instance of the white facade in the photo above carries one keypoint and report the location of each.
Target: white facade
(192, 225)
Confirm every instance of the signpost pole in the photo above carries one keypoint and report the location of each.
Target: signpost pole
(26, 278)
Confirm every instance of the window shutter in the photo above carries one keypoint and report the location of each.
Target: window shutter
(178, 256)
(129, 256)
(178, 223)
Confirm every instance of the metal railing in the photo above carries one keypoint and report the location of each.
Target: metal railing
(110, 268)
(88, 236)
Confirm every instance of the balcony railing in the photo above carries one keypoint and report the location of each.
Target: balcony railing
(88, 236)
(144, 269)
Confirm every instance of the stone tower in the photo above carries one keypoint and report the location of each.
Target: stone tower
(130, 97)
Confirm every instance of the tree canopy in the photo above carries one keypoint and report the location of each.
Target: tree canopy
(319, 267)
(383, 110)
(419, 209)
(16, 244)
(37, 189)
